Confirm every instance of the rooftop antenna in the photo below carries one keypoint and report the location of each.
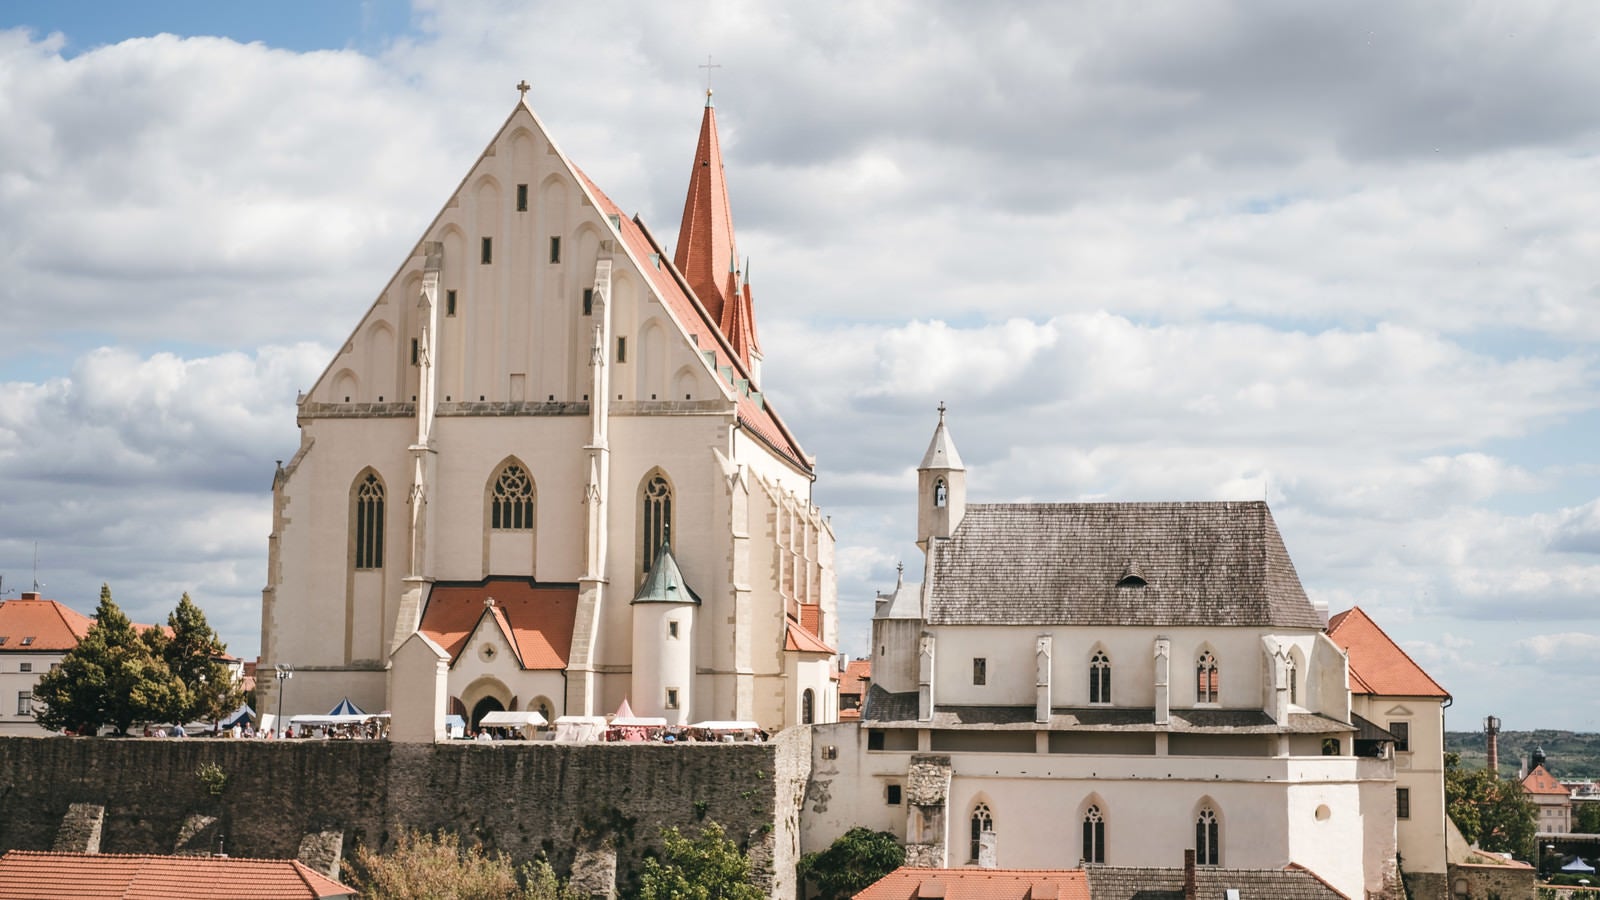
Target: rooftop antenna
(3, 589)
(36, 583)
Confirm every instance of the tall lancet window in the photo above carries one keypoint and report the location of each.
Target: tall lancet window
(1294, 687)
(512, 505)
(369, 522)
(1206, 683)
(941, 494)
(1094, 836)
(982, 820)
(655, 511)
(1207, 838)
(1100, 678)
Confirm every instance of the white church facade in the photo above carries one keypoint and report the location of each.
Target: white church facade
(1108, 684)
(541, 410)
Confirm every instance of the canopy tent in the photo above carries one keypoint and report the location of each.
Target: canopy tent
(241, 716)
(527, 718)
(455, 726)
(1578, 866)
(580, 728)
(346, 708)
(625, 718)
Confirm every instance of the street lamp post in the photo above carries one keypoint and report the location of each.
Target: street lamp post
(283, 673)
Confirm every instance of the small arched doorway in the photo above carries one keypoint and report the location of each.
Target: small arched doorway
(484, 707)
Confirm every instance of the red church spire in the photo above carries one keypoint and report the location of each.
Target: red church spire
(707, 254)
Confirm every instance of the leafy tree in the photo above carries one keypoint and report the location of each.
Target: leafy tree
(1495, 814)
(858, 858)
(708, 867)
(1586, 817)
(110, 678)
(209, 691)
(437, 867)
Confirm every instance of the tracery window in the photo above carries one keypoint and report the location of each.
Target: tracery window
(1094, 836)
(511, 507)
(1206, 683)
(655, 502)
(982, 820)
(1100, 678)
(1207, 838)
(369, 522)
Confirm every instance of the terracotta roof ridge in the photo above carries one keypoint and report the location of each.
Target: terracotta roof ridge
(1398, 649)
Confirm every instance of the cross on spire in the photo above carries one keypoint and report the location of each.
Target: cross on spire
(708, 67)
(522, 89)
(941, 412)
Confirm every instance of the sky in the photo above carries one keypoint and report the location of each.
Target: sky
(1341, 257)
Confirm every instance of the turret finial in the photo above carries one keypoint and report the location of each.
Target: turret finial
(523, 88)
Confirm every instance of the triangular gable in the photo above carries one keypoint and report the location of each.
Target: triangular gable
(1376, 661)
(538, 617)
(492, 622)
(379, 346)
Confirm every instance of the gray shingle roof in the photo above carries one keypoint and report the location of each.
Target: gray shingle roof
(1128, 883)
(1205, 564)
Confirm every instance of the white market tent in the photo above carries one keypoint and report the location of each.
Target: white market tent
(580, 728)
(638, 722)
(522, 720)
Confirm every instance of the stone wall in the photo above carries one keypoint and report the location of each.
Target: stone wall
(1469, 882)
(524, 799)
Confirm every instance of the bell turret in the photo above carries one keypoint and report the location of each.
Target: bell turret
(941, 487)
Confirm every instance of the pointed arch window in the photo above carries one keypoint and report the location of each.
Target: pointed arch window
(808, 707)
(369, 522)
(1294, 686)
(1094, 836)
(982, 821)
(1207, 838)
(941, 494)
(1100, 677)
(511, 506)
(655, 511)
(1206, 683)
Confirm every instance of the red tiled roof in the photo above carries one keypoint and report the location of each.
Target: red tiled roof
(907, 883)
(798, 638)
(857, 675)
(51, 625)
(1377, 664)
(28, 875)
(537, 619)
(1540, 781)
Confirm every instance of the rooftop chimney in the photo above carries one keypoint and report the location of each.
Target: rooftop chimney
(1190, 890)
(30, 595)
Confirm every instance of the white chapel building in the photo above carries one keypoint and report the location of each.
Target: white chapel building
(1110, 684)
(544, 452)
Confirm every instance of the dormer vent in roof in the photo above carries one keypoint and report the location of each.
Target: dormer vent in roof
(1132, 576)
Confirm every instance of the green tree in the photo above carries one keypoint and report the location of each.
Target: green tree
(1586, 817)
(191, 653)
(858, 858)
(436, 867)
(1493, 813)
(111, 678)
(707, 867)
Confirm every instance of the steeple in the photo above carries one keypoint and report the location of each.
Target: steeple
(941, 487)
(708, 255)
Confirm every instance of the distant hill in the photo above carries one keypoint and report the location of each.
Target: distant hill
(1569, 755)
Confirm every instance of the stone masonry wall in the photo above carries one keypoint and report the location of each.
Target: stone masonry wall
(523, 799)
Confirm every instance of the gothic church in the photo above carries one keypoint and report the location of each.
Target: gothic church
(546, 450)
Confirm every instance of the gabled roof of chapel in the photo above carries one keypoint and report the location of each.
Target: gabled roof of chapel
(1377, 664)
(537, 619)
(1205, 564)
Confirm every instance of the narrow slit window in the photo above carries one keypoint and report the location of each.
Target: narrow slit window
(980, 670)
(588, 301)
(449, 303)
(414, 351)
(486, 254)
(555, 249)
(622, 349)
(672, 629)
(672, 698)
(522, 198)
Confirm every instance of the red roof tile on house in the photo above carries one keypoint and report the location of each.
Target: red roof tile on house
(45, 624)
(907, 883)
(1377, 664)
(798, 638)
(1540, 781)
(537, 619)
(857, 675)
(28, 875)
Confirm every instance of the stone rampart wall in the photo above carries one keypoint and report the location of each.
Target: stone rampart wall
(523, 799)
